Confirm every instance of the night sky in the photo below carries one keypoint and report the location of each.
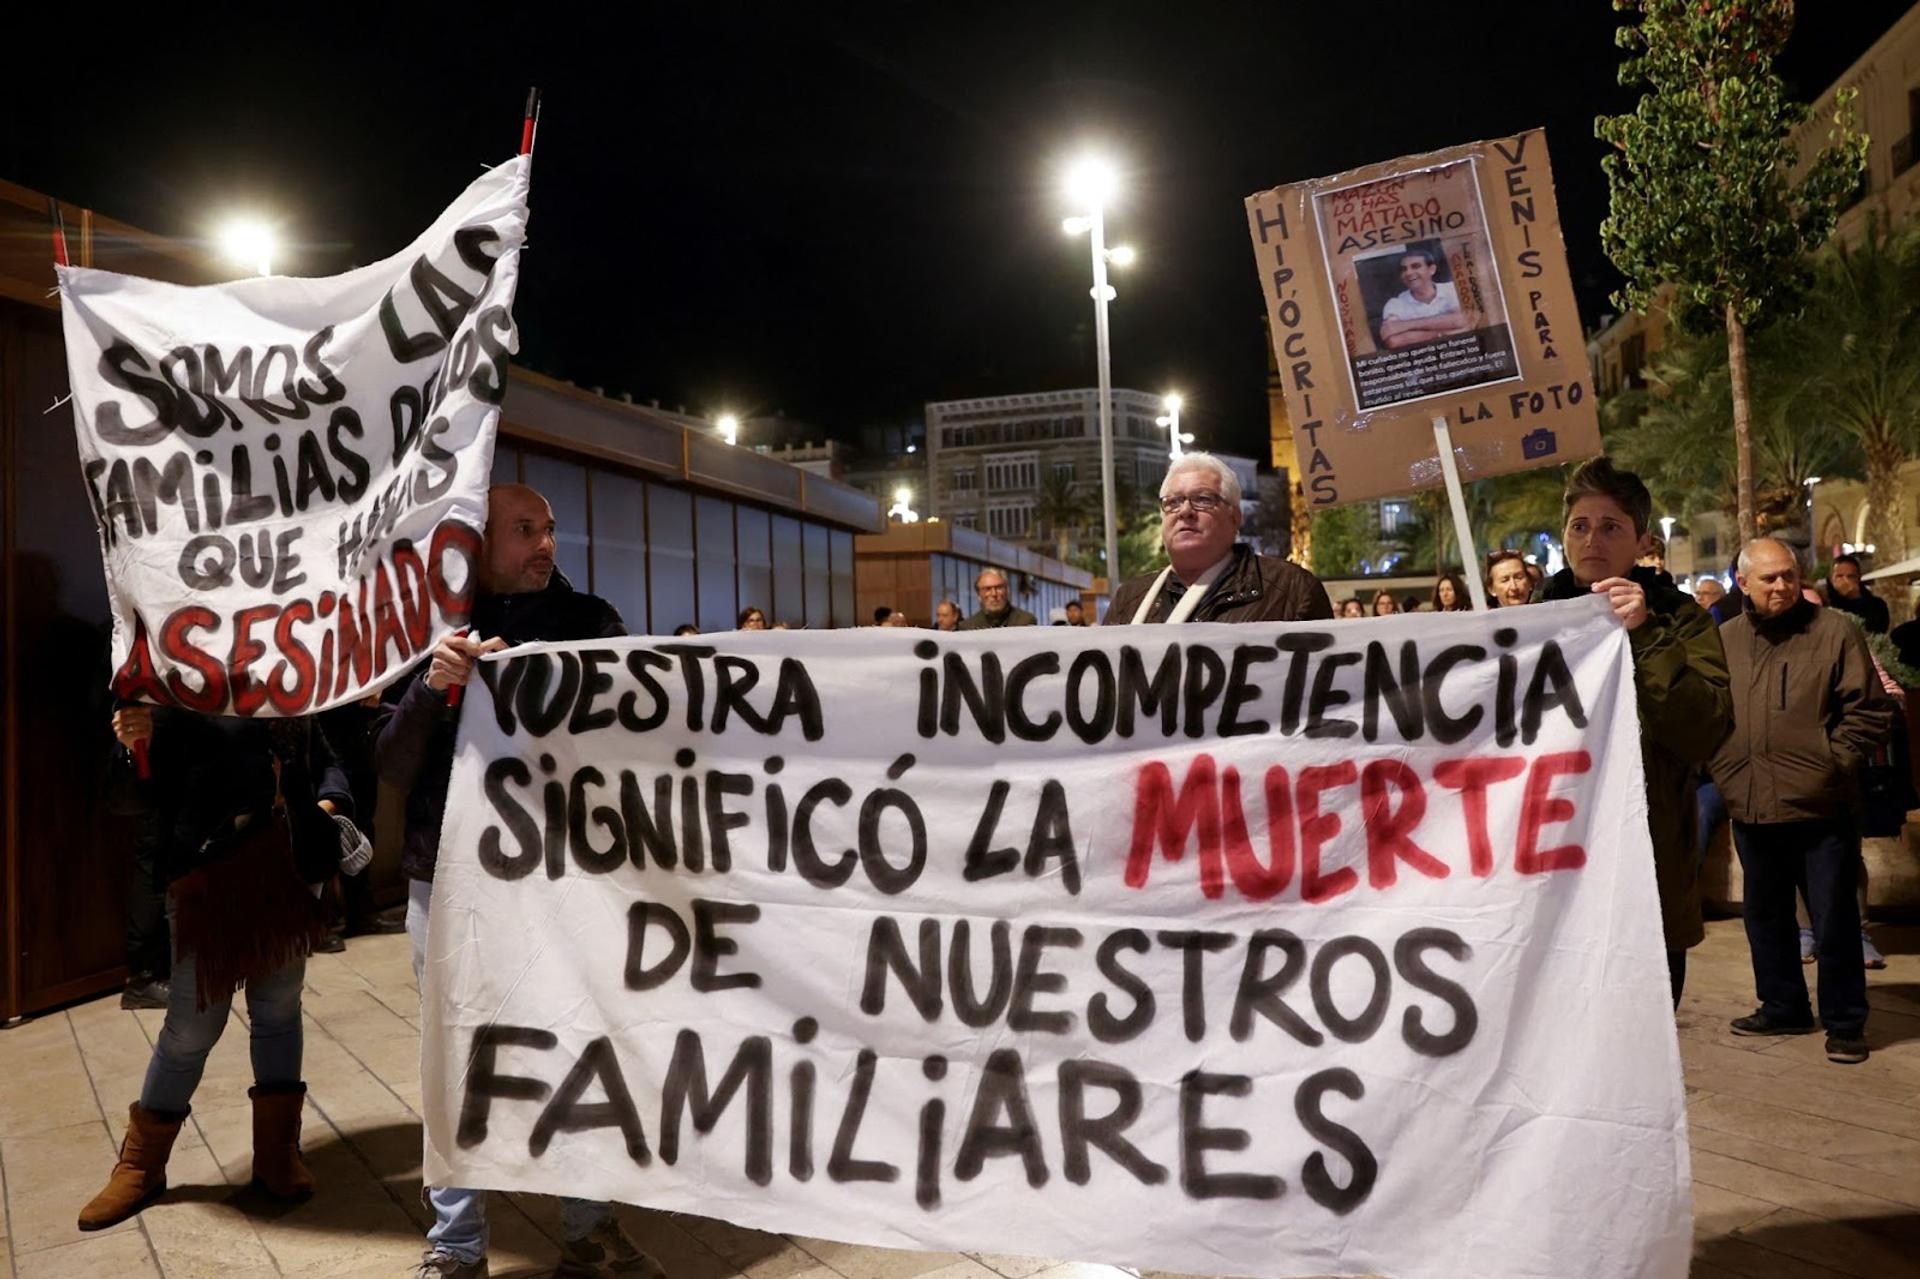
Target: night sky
(840, 212)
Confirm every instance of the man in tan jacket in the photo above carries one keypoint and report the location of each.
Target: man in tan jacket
(1807, 711)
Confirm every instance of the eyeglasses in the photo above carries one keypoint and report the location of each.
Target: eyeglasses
(1202, 503)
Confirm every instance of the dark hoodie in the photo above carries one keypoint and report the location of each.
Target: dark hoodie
(1868, 607)
(1686, 709)
(413, 733)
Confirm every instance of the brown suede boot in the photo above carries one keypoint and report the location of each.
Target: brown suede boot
(141, 1174)
(277, 1165)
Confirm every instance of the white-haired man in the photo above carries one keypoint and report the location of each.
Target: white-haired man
(1212, 576)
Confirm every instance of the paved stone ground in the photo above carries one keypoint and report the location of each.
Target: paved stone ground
(1801, 1168)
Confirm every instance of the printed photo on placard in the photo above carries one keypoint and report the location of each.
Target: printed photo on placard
(1413, 273)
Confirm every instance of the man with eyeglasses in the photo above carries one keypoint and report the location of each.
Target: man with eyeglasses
(995, 608)
(1211, 575)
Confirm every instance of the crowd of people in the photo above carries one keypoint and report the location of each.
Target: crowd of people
(1511, 579)
(1764, 704)
(996, 609)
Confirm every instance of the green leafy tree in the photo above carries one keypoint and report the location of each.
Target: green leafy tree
(1513, 509)
(1702, 197)
(1139, 546)
(1343, 536)
(1424, 540)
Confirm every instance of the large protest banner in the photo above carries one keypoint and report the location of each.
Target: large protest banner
(1429, 286)
(289, 476)
(1238, 950)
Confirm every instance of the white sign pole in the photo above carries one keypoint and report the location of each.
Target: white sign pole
(1457, 497)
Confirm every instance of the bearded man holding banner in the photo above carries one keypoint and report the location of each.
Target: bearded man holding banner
(1679, 674)
(523, 598)
(1212, 576)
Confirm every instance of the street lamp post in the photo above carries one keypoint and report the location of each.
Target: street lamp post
(1172, 422)
(1090, 185)
(729, 427)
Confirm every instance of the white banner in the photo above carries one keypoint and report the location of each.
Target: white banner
(289, 476)
(1236, 950)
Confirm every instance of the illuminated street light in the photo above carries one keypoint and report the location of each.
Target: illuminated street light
(729, 427)
(249, 242)
(1812, 482)
(1171, 420)
(902, 508)
(1091, 184)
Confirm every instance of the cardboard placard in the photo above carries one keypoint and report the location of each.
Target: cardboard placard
(1429, 286)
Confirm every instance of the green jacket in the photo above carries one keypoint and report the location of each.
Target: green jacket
(1686, 710)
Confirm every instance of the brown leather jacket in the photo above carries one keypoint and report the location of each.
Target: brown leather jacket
(1808, 710)
(1255, 588)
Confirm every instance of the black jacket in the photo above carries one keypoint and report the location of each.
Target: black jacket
(1868, 607)
(209, 769)
(1254, 588)
(414, 732)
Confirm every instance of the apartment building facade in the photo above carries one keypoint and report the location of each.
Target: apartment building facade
(989, 460)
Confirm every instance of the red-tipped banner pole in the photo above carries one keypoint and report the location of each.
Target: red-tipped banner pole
(59, 233)
(530, 122)
(456, 691)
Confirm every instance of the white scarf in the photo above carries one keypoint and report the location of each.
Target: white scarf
(1188, 602)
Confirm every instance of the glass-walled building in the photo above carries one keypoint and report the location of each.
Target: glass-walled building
(674, 527)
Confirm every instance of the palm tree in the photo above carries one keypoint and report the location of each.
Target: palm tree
(1500, 510)
(1855, 352)
(1678, 434)
(1062, 512)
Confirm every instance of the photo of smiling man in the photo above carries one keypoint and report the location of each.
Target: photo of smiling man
(1426, 309)
(1413, 274)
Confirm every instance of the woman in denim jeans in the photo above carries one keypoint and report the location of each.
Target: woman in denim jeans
(246, 813)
